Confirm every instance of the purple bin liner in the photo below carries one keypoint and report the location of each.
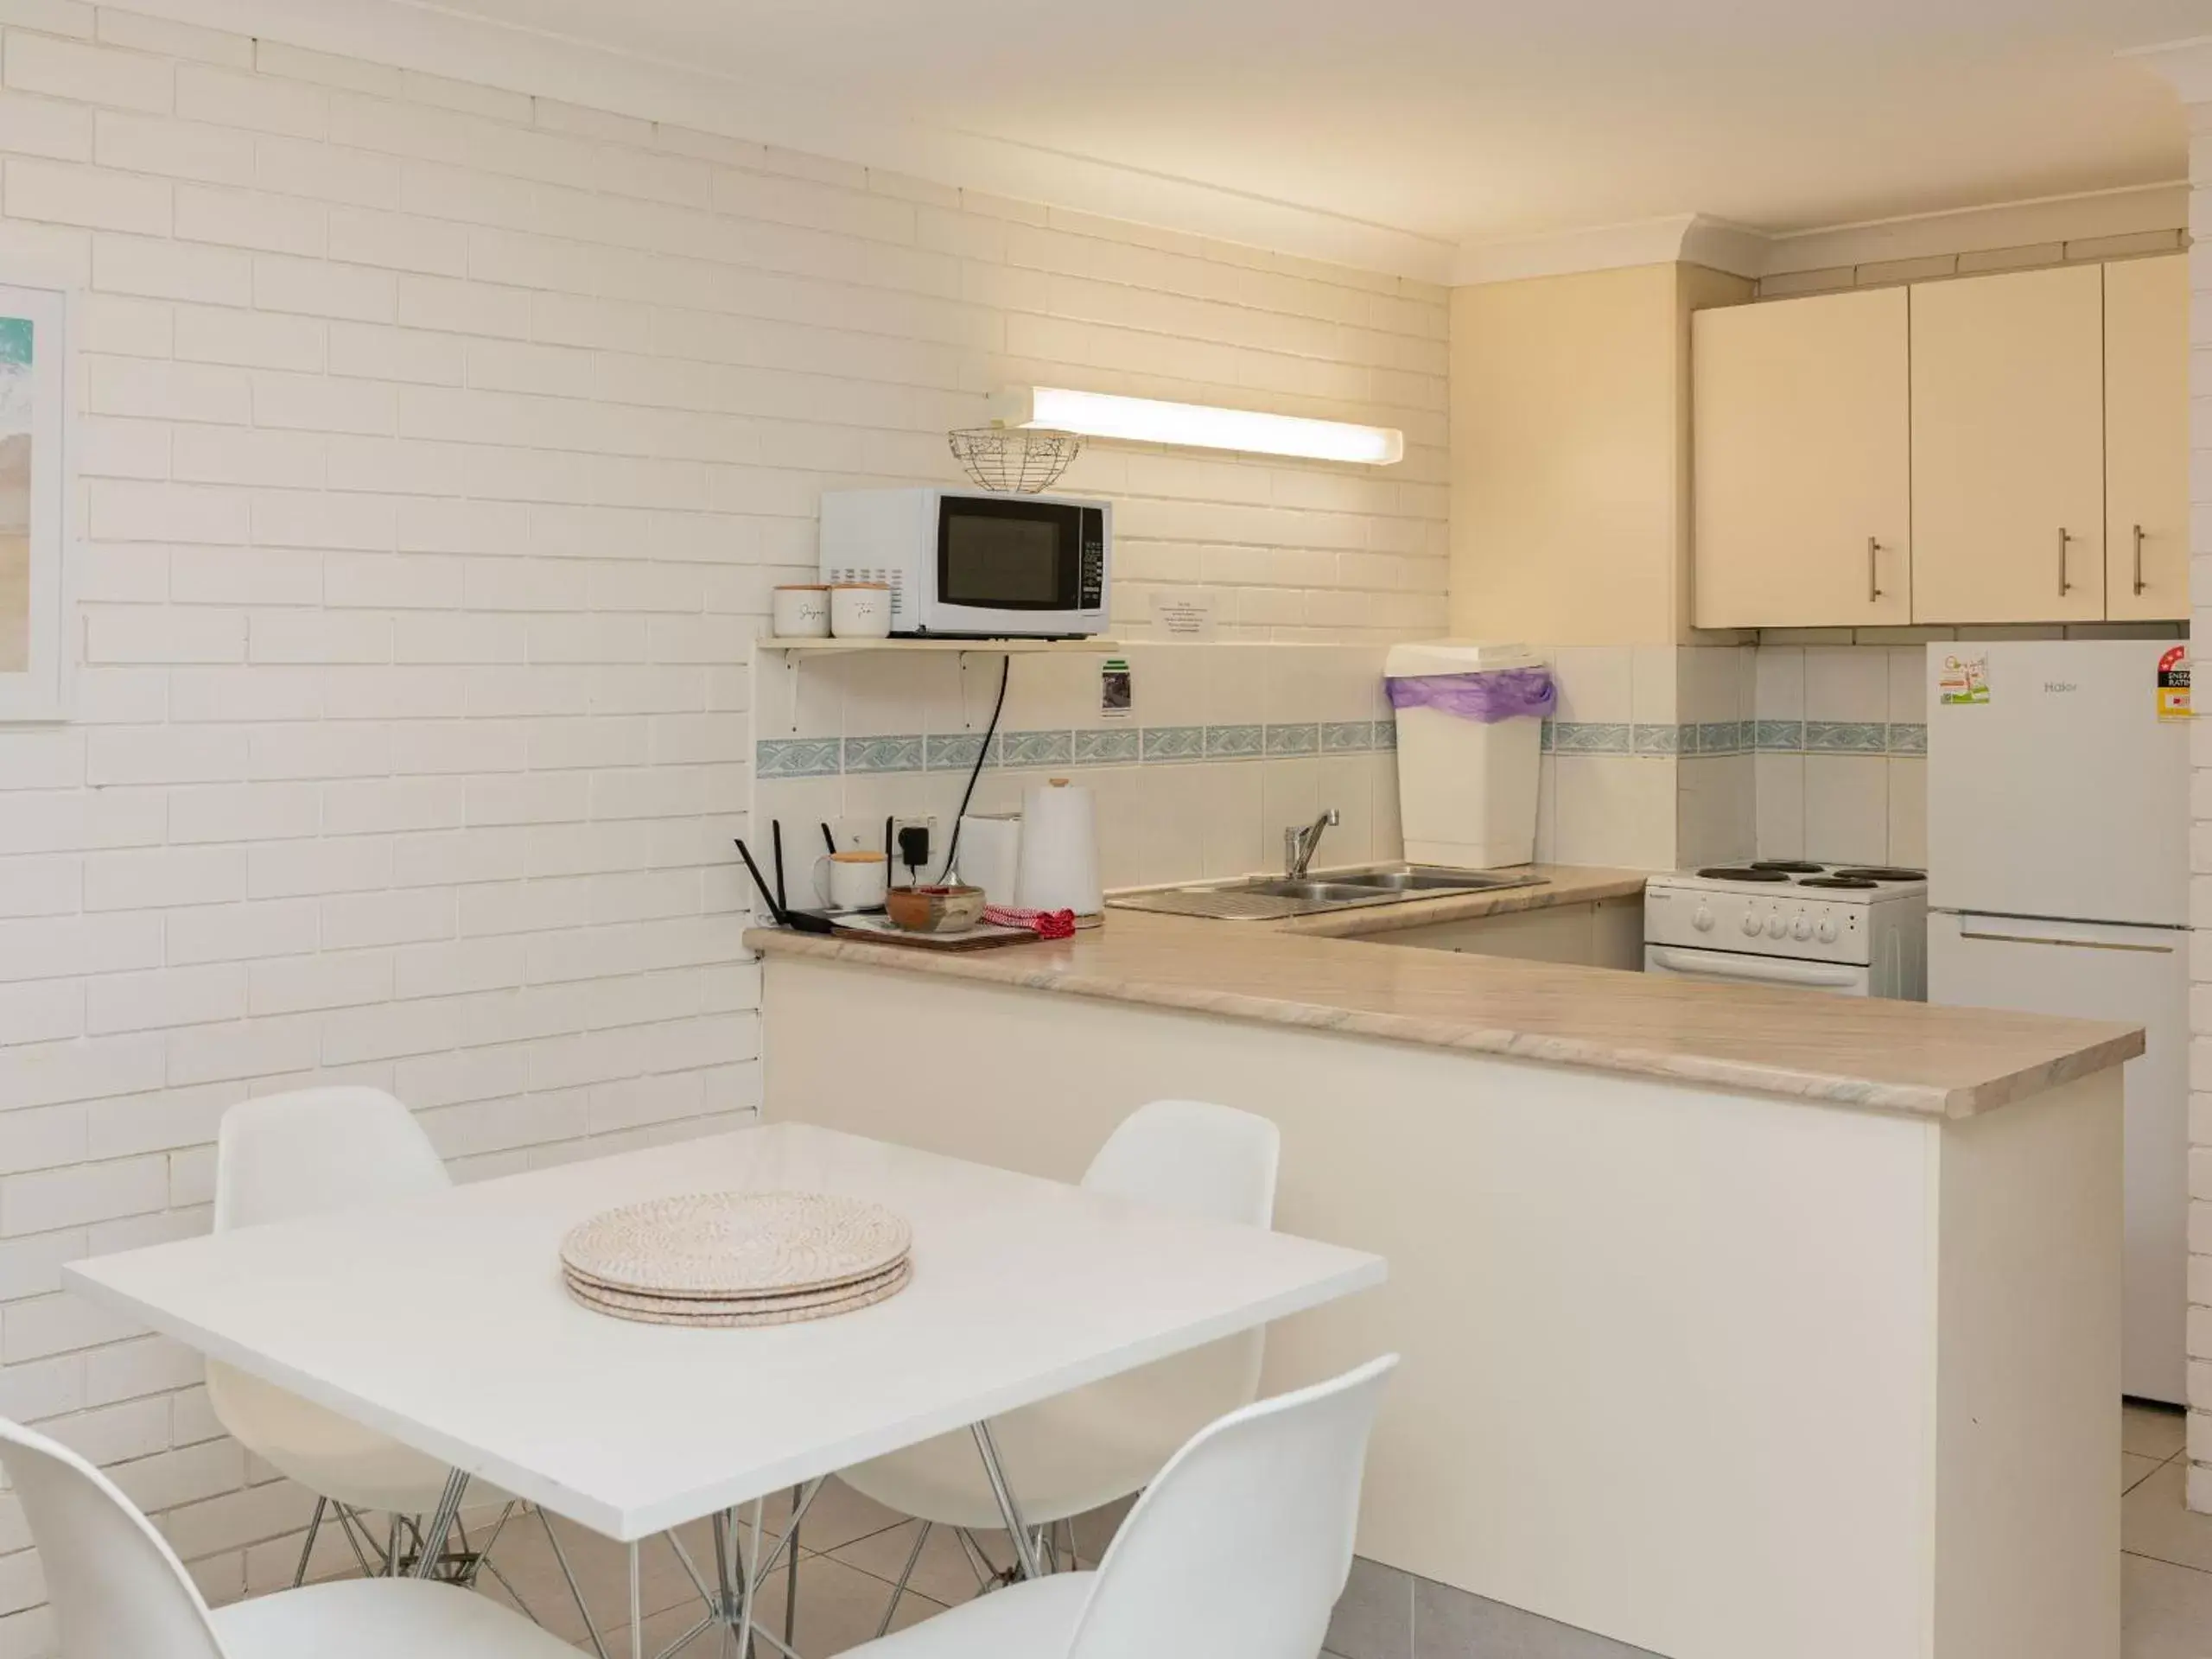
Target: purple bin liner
(1499, 694)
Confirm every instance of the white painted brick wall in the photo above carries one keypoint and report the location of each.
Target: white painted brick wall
(437, 449)
(2200, 1054)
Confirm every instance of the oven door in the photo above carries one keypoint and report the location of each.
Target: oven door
(1018, 565)
(1837, 978)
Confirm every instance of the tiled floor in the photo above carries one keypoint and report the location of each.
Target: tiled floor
(853, 1550)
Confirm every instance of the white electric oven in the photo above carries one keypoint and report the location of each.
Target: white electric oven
(970, 564)
(1847, 930)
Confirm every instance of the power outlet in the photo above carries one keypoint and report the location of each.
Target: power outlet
(937, 846)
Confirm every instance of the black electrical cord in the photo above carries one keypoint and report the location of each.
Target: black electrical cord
(952, 848)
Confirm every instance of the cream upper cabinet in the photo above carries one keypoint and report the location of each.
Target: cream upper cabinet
(2008, 487)
(2146, 438)
(1802, 463)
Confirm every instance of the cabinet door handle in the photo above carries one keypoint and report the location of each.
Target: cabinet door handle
(2064, 586)
(1873, 571)
(2139, 583)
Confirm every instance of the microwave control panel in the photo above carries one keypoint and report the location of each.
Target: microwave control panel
(1093, 575)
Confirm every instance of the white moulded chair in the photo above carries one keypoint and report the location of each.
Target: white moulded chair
(1238, 1550)
(1093, 1446)
(299, 1155)
(117, 1592)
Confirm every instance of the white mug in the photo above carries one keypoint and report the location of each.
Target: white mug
(801, 611)
(851, 881)
(860, 610)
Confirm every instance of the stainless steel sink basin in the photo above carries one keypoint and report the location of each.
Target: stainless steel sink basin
(1276, 897)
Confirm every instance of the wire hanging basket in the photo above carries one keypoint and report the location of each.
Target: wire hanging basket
(1015, 461)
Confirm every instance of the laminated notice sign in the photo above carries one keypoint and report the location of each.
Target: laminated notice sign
(1963, 679)
(2173, 684)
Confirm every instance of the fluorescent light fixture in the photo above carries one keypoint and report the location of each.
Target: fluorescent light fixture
(1197, 426)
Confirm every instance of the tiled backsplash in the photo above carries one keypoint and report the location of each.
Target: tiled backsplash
(1842, 740)
(1224, 746)
(1658, 756)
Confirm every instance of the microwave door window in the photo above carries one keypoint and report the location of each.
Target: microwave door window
(1008, 562)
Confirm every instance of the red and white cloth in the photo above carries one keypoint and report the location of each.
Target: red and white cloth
(1044, 924)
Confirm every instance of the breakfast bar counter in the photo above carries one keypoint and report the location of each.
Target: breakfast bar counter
(1884, 1055)
(1737, 1321)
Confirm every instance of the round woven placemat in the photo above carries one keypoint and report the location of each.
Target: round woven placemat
(735, 1245)
(761, 1311)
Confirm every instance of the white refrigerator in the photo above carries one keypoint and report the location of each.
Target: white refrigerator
(2058, 883)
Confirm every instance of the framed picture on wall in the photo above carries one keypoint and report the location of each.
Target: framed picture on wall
(34, 355)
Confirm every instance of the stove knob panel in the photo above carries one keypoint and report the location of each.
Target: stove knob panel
(1703, 920)
(1827, 930)
(1803, 927)
(1751, 924)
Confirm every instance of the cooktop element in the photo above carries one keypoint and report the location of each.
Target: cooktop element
(1881, 873)
(1744, 873)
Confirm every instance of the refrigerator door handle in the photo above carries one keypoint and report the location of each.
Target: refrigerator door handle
(2064, 944)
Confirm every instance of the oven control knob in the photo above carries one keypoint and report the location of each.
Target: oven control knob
(1775, 926)
(1703, 920)
(1751, 924)
(1827, 930)
(1803, 927)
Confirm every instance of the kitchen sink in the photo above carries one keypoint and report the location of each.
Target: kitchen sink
(1261, 899)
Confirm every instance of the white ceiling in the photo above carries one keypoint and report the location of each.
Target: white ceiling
(1482, 118)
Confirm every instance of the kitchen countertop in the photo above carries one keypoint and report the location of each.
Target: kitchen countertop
(1326, 973)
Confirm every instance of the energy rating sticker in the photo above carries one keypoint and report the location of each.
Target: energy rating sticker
(1963, 680)
(2173, 684)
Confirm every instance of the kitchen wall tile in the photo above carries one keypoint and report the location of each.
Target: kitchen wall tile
(1548, 811)
(897, 754)
(1037, 748)
(1846, 737)
(1166, 743)
(1655, 688)
(1298, 682)
(1655, 739)
(1713, 820)
(1388, 839)
(1346, 782)
(1908, 739)
(1846, 808)
(798, 698)
(1908, 783)
(1237, 685)
(1596, 683)
(1169, 683)
(1108, 746)
(1290, 793)
(1300, 739)
(1592, 737)
(1617, 810)
(1051, 689)
(1778, 679)
(796, 757)
(1908, 684)
(1710, 688)
(956, 752)
(1347, 736)
(1779, 803)
(1124, 834)
(1172, 830)
(1235, 742)
(1232, 838)
(1847, 684)
(885, 693)
(1785, 736)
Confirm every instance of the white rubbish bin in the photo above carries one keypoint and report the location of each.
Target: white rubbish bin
(1470, 724)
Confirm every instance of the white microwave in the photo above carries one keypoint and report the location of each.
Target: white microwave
(966, 565)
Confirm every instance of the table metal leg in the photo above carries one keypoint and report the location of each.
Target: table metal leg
(791, 1569)
(434, 1537)
(576, 1590)
(637, 1609)
(1025, 1547)
(307, 1550)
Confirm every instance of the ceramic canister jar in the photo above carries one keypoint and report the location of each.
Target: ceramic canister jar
(860, 610)
(801, 611)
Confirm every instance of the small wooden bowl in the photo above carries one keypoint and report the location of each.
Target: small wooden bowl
(934, 910)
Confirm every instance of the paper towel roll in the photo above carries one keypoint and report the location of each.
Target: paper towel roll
(1059, 851)
(990, 856)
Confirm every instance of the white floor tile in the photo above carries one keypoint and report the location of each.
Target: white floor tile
(2152, 1431)
(2153, 1521)
(2166, 1611)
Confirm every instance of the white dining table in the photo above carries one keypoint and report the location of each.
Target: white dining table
(444, 1323)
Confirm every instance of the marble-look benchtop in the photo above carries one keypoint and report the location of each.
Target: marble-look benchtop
(1337, 973)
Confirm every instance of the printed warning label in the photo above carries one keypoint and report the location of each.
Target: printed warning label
(1962, 680)
(2173, 684)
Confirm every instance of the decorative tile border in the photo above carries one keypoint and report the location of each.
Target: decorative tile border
(1733, 737)
(1106, 745)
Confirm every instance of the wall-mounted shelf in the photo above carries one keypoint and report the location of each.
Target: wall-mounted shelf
(999, 647)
